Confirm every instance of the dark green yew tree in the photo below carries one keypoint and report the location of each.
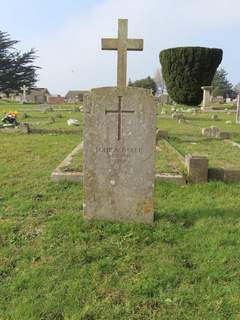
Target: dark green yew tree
(186, 69)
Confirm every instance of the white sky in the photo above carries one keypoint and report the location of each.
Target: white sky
(70, 52)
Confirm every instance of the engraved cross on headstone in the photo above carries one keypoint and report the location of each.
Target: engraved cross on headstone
(122, 44)
(119, 113)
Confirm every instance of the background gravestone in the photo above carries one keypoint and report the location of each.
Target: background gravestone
(238, 110)
(119, 146)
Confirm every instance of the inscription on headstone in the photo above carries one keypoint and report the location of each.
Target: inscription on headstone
(119, 151)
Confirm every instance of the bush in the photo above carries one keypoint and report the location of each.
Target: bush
(147, 83)
(186, 69)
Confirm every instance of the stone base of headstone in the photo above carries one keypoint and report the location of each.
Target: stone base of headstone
(119, 154)
(197, 168)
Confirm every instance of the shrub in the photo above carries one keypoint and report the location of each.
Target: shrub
(186, 69)
(147, 83)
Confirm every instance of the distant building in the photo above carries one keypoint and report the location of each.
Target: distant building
(75, 96)
(38, 95)
(55, 100)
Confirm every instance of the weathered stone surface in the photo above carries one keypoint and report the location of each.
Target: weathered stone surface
(197, 167)
(119, 154)
(226, 175)
(172, 178)
(161, 134)
(206, 96)
(59, 174)
(122, 44)
(207, 132)
(212, 132)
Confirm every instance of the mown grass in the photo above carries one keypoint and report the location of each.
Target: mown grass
(56, 265)
(187, 138)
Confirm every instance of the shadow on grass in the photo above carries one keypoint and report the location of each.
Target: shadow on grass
(56, 131)
(187, 218)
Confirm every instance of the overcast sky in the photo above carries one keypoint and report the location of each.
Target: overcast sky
(67, 35)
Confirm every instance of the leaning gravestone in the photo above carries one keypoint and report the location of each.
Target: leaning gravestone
(119, 144)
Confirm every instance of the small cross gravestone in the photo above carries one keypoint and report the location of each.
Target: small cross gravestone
(119, 144)
(24, 90)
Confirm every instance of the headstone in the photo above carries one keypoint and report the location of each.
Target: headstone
(212, 132)
(228, 100)
(119, 144)
(207, 132)
(197, 168)
(238, 109)
(215, 131)
(206, 96)
(24, 90)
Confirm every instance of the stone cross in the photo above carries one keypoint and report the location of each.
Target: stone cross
(24, 90)
(122, 44)
(238, 109)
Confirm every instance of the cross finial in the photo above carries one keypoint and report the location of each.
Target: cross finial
(122, 44)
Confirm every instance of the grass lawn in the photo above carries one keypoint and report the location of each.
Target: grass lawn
(187, 138)
(54, 265)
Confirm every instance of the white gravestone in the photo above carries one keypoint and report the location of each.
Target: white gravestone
(24, 90)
